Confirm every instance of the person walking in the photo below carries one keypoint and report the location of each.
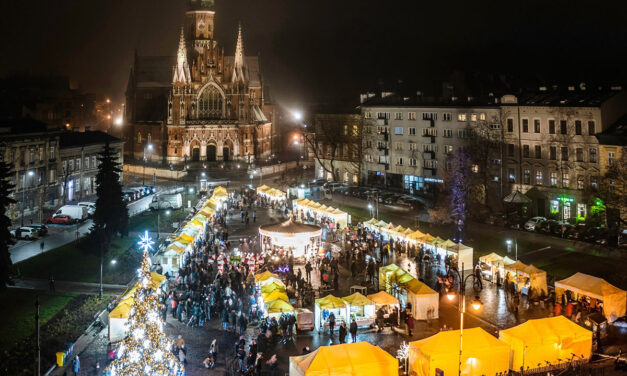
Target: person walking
(51, 283)
(343, 332)
(331, 323)
(308, 269)
(410, 323)
(76, 365)
(353, 330)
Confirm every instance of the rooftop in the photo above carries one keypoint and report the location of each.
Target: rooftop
(616, 134)
(24, 126)
(389, 99)
(70, 139)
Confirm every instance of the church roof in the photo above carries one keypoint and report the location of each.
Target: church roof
(154, 71)
(252, 63)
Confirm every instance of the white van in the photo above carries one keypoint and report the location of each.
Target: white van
(76, 212)
(91, 207)
(167, 201)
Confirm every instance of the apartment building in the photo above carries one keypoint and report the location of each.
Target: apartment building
(613, 162)
(407, 142)
(551, 152)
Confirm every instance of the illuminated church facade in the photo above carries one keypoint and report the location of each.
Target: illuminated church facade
(199, 105)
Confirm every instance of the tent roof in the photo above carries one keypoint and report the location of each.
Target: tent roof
(371, 221)
(589, 285)
(416, 235)
(122, 310)
(265, 275)
(271, 287)
(289, 227)
(274, 295)
(381, 224)
(418, 288)
(278, 306)
(517, 197)
(491, 257)
(383, 298)
(219, 191)
(357, 299)
(547, 330)
(263, 188)
(389, 268)
(447, 342)
(330, 302)
(448, 243)
(428, 238)
(360, 358)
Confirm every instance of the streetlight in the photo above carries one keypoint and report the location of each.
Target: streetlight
(509, 247)
(476, 305)
(370, 207)
(29, 173)
(297, 115)
(167, 213)
(149, 147)
(114, 261)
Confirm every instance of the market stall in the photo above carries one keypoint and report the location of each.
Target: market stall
(350, 359)
(276, 307)
(598, 293)
(118, 317)
(409, 291)
(318, 211)
(489, 269)
(482, 354)
(463, 254)
(552, 340)
(323, 309)
(382, 298)
(527, 278)
(360, 308)
(266, 278)
(299, 238)
(271, 194)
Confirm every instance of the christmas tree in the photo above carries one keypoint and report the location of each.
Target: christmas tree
(146, 348)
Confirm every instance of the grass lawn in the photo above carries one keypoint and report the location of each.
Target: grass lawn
(148, 220)
(18, 314)
(77, 262)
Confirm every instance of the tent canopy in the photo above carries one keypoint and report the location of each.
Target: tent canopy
(271, 287)
(274, 295)
(614, 299)
(279, 306)
(552, 339)
(349, 359)
(330, 302)
(265, 275)
(289, 227)
(491, 258)
(357, 299)
(383, 298)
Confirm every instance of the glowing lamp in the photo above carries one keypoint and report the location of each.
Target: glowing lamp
(450, 295)
(476, 303)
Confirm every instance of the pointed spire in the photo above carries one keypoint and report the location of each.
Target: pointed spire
(181, 72)
(238, 61)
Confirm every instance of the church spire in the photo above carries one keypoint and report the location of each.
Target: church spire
(181, 73)
(238, 61)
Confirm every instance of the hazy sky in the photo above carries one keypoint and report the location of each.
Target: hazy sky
(315, 48)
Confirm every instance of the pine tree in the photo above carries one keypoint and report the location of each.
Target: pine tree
(5, 222)
(146, 349)
(111, 214)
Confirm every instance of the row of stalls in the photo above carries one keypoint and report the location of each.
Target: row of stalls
(410, 292)
(271, 194)
(461, 253)
(551, 341)
(274, 299)
(320, 211)
(172, 256)
(118, 317)
(361, 308)
(527, 279)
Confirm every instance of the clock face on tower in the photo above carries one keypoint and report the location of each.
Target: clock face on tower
(201, 26)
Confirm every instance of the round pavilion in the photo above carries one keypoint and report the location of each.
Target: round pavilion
(302, 239)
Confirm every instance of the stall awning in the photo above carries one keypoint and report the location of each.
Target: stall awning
(614, 299)
(330, 302)
(357, 299)
(491, 258)
(265, 275)
(383, 298)
(274, 295)
(349, 359)
(271, 287)
(279, 306)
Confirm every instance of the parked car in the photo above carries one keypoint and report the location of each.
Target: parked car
(129, 195)
(139, 192)
(60, 219)
(41, 229)
(25, 233)
(167, 201)
(150, 189)
(560, 227)
(91, 207)
(76, 212)
(533, 222)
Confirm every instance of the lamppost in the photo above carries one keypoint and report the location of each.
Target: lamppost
(149, 147)
(29, 173)
(509, 247)
(476, 305)
(370, 208)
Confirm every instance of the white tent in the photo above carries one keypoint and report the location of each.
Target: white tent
(614, 299)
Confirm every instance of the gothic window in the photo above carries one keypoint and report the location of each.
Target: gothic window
(210, 104)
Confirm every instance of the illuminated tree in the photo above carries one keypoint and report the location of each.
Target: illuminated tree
(459, 186)
(146, 349)
(5, 222)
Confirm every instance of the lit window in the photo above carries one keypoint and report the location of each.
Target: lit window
(553, 179)
(565, 180)
(482, 116)
(581, 211)
(611, 158)
(475, 168)
(473, 117)
(367, 115)
(461, 116)
(411, 115)
(580, 182)
(398, 116)
(538, 177)
(398, 130)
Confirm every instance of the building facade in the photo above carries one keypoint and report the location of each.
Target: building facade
(49, 166)
(551, 152)
(407, 142)
(201, 105)
(335, 146)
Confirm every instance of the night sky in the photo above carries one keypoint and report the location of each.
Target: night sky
(324, 48)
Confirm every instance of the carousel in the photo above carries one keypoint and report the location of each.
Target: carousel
(301, 239)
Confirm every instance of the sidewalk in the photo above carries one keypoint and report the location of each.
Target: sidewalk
(64, 286)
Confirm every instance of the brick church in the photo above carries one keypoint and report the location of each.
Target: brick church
(199, 105)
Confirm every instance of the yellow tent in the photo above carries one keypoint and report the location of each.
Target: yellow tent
(330, 302)
(123, 309)
(279, 306)
(428, 238)
(185, 238)
(349, 359)
(482, 354)
(271, 287)
(357, 299)
(265, 275)
(448, 243)
(552, 340)
(274, 295)
(416, 235)
(384, 272)
(219, 192)
(263, 188)
(175, 248)
(521, 272)
(383, 298)
(491, 258)
(614, 299)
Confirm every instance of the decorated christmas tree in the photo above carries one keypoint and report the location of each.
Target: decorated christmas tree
(146, 350)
